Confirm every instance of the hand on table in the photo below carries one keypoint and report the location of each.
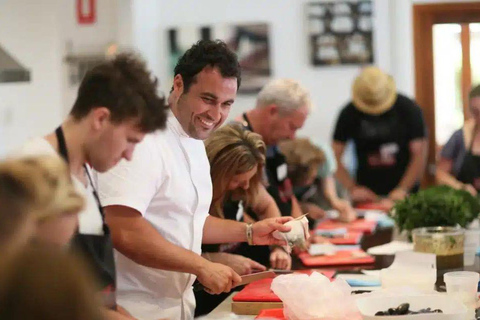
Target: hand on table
(279, 259)
(471, 189)
(345, 211)
(362, 194)
(319, 239)
(217, 278)
(397, 194)
(386, 204)
(314, 211)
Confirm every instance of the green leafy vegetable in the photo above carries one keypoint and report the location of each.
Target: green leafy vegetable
(436, 206)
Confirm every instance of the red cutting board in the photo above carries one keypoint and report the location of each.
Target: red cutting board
(372, 206)
(359, 225)
(259, 291)
(271, 314)
(339, 259)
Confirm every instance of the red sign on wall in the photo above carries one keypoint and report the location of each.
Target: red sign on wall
(86, 11)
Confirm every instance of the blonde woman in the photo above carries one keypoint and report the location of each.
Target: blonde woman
(310, 169)
(237, 159)
(45, 283)
(41, 188)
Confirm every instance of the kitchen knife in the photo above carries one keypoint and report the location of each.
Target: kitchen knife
(246, 279)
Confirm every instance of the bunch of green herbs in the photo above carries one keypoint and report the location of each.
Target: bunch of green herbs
(436, 206)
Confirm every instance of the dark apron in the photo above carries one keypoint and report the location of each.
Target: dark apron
(469, 172)
(96, 249)
(281, 190)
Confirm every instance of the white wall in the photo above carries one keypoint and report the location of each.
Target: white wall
(29, 31)
(37, 33)
(329, 86)
(85, 39)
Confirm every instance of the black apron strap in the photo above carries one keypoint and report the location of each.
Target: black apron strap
(106, 230)
(473, 139)
(246, 123)
(62, 145)
(468, 169)
(97, 250)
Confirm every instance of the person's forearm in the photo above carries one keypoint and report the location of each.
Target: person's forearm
(414, 172)
(266, 207)
(218, 257)
(270, 211)
(147, 247)
(115, 315)
(218, 230)
(343, 176)
(296, 210)
(444, 177)
(329, 190)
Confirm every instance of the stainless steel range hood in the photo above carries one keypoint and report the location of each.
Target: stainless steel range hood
(11, 70)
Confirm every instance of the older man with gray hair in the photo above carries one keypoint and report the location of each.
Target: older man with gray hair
(281, 109)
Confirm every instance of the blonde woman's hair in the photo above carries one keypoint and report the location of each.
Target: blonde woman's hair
(41, 186)
(232, 150)
(287, 94)
(42, 282)
(303, 157)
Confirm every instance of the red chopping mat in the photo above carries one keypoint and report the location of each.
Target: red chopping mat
(271, 314)
(371, 206)
(339, 259)
(359, 225)
(259, 291)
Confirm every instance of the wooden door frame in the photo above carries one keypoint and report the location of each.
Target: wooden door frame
(424, 17)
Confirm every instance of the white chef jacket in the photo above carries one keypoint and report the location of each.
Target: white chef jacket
(168, 182)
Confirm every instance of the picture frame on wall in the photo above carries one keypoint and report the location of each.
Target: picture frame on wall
(250, 41)
(340, 32)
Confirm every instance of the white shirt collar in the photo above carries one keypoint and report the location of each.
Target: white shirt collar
(175, 125)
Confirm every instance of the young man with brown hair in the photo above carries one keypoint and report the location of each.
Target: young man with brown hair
(117, 104)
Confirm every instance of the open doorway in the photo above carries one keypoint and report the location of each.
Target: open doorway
(447, 64)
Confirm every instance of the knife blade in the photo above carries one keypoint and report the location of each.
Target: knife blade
(246, 279)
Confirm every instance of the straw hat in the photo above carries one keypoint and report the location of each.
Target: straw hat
(373, 91)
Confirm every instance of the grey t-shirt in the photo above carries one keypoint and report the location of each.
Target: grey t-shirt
(455, 150)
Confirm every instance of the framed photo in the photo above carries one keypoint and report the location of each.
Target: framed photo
(250, 41)
(340, 32)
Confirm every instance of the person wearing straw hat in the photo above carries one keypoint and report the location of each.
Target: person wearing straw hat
(389, 134)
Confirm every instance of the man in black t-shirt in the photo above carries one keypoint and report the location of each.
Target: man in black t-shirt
(281, 109)
(389, 134)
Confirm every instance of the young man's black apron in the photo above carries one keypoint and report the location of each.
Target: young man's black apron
(469, 172)
(96, 249)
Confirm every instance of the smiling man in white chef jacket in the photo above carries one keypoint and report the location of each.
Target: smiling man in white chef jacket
(157, 205)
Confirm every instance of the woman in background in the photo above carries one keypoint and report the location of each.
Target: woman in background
(41, 189)
(45, 283)
(459, 162)
(237, 158)
(311, 173)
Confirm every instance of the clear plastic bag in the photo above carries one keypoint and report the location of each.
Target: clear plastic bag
(314, 297)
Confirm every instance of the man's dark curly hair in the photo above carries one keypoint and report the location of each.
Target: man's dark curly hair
(208, 53)
(126, 87)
